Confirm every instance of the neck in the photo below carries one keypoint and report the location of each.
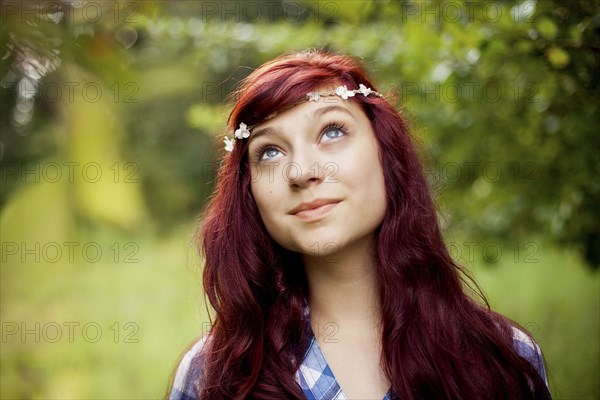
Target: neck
(343, 289)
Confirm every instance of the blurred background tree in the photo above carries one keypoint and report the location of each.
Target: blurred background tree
(126, 102)
(503, 94)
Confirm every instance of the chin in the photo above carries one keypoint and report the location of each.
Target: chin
(318, 245)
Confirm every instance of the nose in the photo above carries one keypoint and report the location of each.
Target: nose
(303, 171)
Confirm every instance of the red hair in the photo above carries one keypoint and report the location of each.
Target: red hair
(437, 341)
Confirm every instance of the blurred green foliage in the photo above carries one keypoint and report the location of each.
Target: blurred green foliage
(504, 97)
(111, 116)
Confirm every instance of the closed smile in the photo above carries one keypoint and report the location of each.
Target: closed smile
(314, 210)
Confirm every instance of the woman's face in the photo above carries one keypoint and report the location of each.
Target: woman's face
(316, 176)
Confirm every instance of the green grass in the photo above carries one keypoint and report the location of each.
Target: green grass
(557, 298)
(158, 295)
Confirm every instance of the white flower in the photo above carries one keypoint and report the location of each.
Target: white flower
(313, 96)
(364, 90)
(343, 92)
(242, 132)
(229, 143)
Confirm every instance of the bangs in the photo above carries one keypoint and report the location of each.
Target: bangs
(273, 94)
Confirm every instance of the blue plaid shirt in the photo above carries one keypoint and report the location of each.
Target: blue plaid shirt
(316, 378)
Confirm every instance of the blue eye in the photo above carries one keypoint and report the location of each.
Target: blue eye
(269, 152)
(333, 131)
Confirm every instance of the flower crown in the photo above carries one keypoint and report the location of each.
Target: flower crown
(243, 132)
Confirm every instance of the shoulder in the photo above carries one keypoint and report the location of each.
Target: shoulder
(187, 372)
(530, 350)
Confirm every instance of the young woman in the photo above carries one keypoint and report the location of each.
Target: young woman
(324, 261)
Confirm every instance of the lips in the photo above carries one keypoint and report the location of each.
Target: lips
(314, 209)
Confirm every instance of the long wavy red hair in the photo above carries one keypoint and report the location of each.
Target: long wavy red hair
(438, 341)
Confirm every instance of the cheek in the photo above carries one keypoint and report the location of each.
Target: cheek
(258, 192)
(375, 193)
(270, 202)
(378, 188)
(366, 178)
(267, 199)
(362, 166)
(379, 194)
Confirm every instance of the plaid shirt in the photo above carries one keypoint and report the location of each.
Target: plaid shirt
(316, 378)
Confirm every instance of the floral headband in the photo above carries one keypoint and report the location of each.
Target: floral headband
(243, 132)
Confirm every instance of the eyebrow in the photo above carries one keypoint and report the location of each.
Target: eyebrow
(319, 112)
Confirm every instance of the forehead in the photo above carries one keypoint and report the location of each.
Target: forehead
(312, 111)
